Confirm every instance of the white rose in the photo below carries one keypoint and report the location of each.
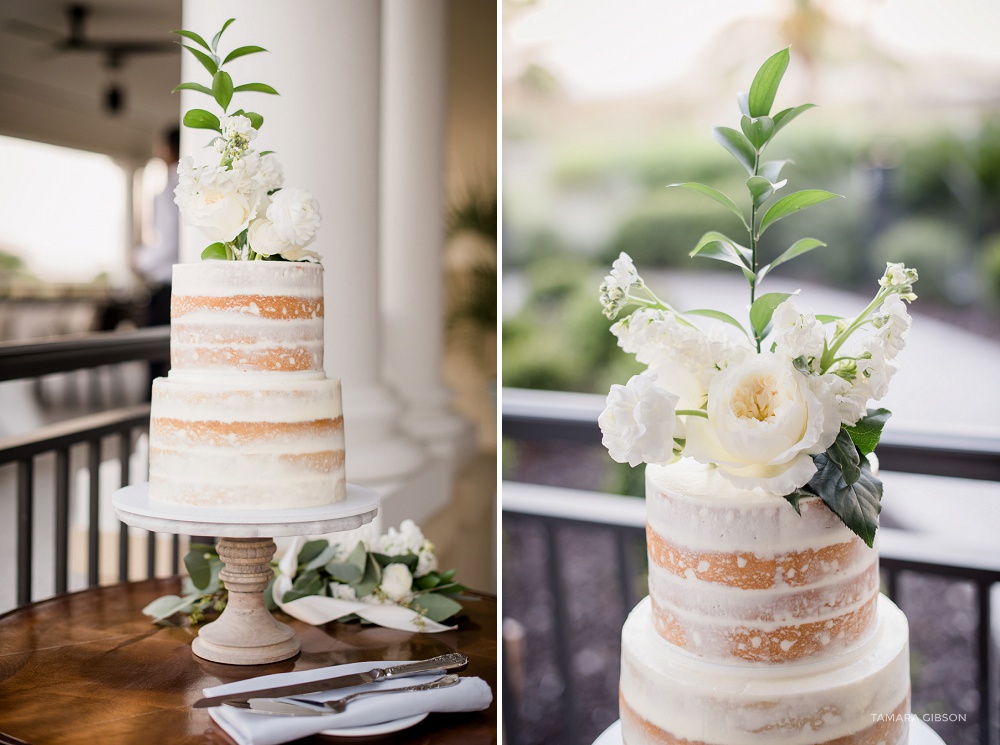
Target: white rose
(397, 582)
(764, 421)
(264, 239)
(639, 421)
(797, 334)
(427, 560)
(295, 215)
(295, 253)
(220, 215)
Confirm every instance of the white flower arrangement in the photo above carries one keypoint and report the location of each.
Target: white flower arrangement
(781, 404)
(239, 203)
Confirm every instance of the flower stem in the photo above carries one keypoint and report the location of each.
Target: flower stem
(838, 341)
(692, 412)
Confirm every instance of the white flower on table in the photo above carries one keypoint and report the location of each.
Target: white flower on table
(397, 582)
(765, 420)
(640, 421)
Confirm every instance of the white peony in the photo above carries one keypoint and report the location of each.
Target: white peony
(295, 215)
(765, 419)
(640, 421)
(797, 334)
(397, 582)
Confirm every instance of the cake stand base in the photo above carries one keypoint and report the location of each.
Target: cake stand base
(920, 734)
(245, 633)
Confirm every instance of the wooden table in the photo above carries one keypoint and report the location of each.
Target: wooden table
(89, 667)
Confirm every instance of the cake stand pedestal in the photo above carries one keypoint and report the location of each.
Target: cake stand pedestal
(245, 633)
(920, 734)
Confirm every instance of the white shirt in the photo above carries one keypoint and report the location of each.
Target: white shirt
(155, 260)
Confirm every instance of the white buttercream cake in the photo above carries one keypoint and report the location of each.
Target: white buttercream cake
(247, 418)
(761, 626)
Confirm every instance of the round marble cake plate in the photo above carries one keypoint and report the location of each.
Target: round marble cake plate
(245, 633)
(920, 734)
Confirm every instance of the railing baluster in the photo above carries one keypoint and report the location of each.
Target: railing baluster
(25, 523)
(561, 633)
(626, 571)
(94, 531)
(150, 554)
(175, 556)
(983, 641)
(892, 584)
(62, 521)
(124, 454)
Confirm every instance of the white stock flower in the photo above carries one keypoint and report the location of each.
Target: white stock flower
(397, 582)
(797, 334)
(898, 277)
(765, 420)
(639, 421)
(295, 215)
(238, 126)
(892, 324)
(614, 290)
(408, 539)
(342, 591)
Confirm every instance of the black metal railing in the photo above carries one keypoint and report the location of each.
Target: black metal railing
(97, 434)
(542, 417)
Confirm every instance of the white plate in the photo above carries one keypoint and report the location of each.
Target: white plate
(383, 728)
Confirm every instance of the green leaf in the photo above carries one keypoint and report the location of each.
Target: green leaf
(717, 315)
(448, 576)
(761, 189)
(436, 607)
(222, 88)
(269, 596)
(715, 245)
(371, 579)
(344, 572)
(765, 84)
(242, 52)
(828, 319)
(214, 252)
(712, 193)
(857, 504)
(428, 581)
(166, 606)
(738, 146)
(358, 557)
(201, 119)
(867, 431)
(193, 37)
(771, 170)
(758, 130)
(193, 87)
(310, 550)
(762, 310)
(199, 569)
(256, 120)
(844, 454)
(793, 203)
(305, 584)
(207, 62)
(215, 39)
(324, 557)
(256, 87)
(795, 496)
(409, 560)
(798, 248)
(786, 115)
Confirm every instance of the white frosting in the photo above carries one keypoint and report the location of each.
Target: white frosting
(705, 702)
(228, 278)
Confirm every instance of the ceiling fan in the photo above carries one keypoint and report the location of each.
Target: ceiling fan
(75, 39)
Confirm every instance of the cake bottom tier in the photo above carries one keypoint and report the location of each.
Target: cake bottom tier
(246, 442)
(861, 698)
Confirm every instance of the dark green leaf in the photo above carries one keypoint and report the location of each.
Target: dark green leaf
(201, 119)
(866, 431)
(428, 581)
(718, 315)
(793, 203)
(371, 579)
(256, 120)
(198, 568)
(738, 146)
(215, 39)
(448, 576)
(256, 87)
(436, 607)
(205, 548)
(771, 170)
(795, 496)
(310, 550)
(715, 245)
(193, 37)
(193, 87)
(844, 454)
(712, 193)
(857, 504)
(765, 84)
(214, 252)
(222, 88)
(758, 130)
(786, 115)
(762, 310)
(242, 52)
(344, 572)
(409, 560)
(207, 62)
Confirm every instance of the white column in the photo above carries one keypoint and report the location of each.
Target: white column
(324, 61)
(414, 99)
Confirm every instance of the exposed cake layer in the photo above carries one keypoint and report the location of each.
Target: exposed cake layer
(739, 577)
(247, 316)
(246, 441)
(668, 697)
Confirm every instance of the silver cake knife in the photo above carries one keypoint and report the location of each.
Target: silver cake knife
(446, 663)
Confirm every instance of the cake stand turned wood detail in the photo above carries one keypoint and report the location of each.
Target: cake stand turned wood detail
(245, 633)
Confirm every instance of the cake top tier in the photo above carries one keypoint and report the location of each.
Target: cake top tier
(247, 317)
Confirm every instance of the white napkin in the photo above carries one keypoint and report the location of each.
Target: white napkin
(470, 694)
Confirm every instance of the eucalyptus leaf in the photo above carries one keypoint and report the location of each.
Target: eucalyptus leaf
(762, 310)
(168, 605)
(269, 596)
(867, 431)
(198, 569)
(428, 581)
(310, 550)
(436, 607)
(857, 504)
(193, 87)
(217, 251)
(358, 557)
(255, 87)
(196, 38)
(786, 115)
(222, 88)
(372, 578)
(410, 561)
(714, 245)
(738, 146)
(712, 193)
(242, 52)
(758, 130)
(793, 203)
(717, 315)
(215, 39)
(345, 572)
(206, 61)
(201, 119)
(765, 84)
(305, 584)
(448, 575)
(321, 559)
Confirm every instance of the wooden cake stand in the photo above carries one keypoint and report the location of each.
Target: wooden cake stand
(246, 633)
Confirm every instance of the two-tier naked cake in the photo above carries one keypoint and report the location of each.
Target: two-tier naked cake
(761, 626)
(247, 419)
